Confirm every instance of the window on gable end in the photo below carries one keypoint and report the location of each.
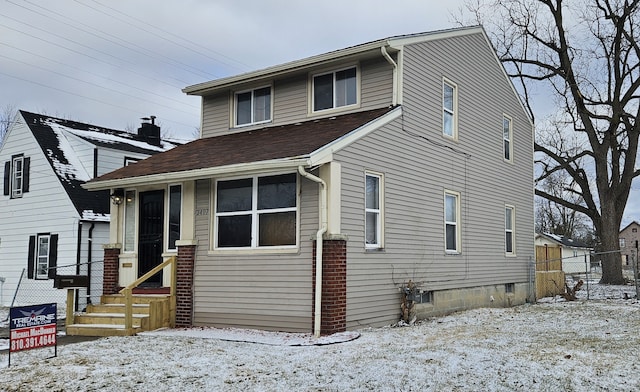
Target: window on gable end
(253, 107)
(16, 176)
(449, 109)
(335, 89)
(507, 137)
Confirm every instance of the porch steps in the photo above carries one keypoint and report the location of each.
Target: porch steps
(150, 311)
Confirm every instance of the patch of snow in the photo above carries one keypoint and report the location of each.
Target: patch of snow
(556, 346)
(73, 168)
(89, 215)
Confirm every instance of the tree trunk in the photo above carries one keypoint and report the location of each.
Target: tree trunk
(609, 239)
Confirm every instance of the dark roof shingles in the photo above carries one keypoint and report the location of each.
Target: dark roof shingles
(275, 142)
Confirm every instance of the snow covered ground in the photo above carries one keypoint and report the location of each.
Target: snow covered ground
(551, 346)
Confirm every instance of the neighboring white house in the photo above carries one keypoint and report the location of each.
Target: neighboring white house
(575, 254)
(49, 224)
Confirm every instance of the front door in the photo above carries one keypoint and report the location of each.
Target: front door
(150, 235)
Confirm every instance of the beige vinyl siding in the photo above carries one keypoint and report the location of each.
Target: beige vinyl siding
(290, 97)
(419, 165)
(268, 291)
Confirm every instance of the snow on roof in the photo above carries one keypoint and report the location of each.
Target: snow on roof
(67, 165)
(89, 215)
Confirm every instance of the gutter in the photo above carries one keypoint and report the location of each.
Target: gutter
(385, 54)
(323, 229)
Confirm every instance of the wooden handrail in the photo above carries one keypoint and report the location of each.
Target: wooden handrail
(128, 290)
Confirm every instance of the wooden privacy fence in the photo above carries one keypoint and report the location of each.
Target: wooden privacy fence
(549, 274)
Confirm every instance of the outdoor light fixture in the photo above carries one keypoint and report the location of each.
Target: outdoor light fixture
(117, 196)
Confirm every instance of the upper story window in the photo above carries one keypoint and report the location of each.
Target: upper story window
(507, 136)
(335, 89)
(452, 221)
(256, 212)
(16, 176)
(509, 225)
(130, 161)
(449, 109)
(373, 211)
(253, 107)
(634, 230)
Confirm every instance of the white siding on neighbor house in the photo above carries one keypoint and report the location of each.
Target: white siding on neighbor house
(110, 160)
(44, 209)
(92, 245)
(267, 291)
(419, 164)
(290, 97)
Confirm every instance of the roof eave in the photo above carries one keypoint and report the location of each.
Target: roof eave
(190, 175)
(210, 86)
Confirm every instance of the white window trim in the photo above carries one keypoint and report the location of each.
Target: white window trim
(234, 107)
(457, 223)
(254, 248)
(512, 230)
(446, 81)
(16, 192)
(37, 274)
(134, 223)
(510, 140)
(380, 211)
(335, 108)
(167, 215)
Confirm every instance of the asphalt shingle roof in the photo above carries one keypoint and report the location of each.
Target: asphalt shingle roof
(274, 142)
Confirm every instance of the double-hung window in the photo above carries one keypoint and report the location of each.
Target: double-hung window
(509, 225)
(449, 109)
(16, 176)
(507, 135)
(43, 255)
(373, 211)
(253, 107)
(335, 89)
(256, 212)
(452, 221)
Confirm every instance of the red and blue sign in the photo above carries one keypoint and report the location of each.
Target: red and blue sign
(32, 327)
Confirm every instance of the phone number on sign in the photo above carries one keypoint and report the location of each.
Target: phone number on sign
(33, 342)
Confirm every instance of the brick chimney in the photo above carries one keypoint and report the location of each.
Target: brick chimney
(150, 131)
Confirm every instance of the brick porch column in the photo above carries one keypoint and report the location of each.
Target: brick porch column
(110, 265)
(334, 285)
(184, 283)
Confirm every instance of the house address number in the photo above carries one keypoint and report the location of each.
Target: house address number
(202, 212)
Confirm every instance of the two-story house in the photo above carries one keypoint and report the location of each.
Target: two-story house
(49, 224)
(324, 189)
(629, 238)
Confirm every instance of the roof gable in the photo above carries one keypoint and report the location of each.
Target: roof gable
(565, 241)
(56, 138)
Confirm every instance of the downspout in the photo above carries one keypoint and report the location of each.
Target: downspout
(394, 98)
(89, 257)
(323, 229)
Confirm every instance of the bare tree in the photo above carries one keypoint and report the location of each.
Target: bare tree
(587, 52)
(6, 116)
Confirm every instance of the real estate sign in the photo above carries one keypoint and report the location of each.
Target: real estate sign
(32, 326)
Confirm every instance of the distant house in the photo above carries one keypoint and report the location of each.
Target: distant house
(49, 224)
(575, 255)
(404, 165)
(629, 242)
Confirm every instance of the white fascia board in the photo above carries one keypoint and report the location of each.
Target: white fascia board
(190, 175)
(400, 41)
(206, 87)
(325, 153)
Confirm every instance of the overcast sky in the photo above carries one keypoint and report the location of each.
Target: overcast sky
(111, 62)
